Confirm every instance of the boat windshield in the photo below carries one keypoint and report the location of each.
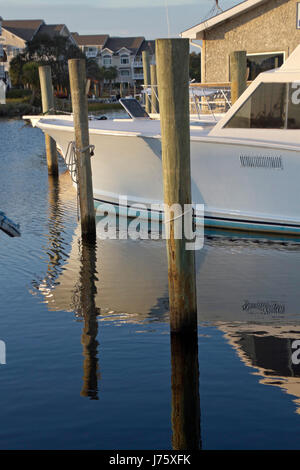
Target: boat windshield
(271, 106)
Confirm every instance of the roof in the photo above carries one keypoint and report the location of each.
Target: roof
(148, 46)
(132, 44)
(197, 32)
(24, 29)
(51, 29)
(90, 39)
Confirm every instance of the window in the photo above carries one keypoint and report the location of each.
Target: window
(106, 60)
(271, 106)
(124, 59)
(124, 73)
(257, 63)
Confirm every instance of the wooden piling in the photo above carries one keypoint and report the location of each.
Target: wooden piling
(84, 173)
(146, 70)
(48, 107)
(172, 58)
(154, 92)
(238, 74)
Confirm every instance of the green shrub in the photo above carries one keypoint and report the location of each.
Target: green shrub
(18, 93)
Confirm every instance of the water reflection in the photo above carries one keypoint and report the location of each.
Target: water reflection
(85, 308)
(56, 247)
(248, 289)
(83, 290)
(185, 391)
(271, 351)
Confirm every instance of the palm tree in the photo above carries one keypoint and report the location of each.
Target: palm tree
(110, 74)
(30, 77)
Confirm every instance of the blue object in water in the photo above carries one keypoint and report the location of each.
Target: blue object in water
(8, 226)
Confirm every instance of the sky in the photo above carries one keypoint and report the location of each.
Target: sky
(149, 18)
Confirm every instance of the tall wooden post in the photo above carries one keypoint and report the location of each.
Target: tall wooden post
(146, 70)
(238, 71)
(154, 92)
(48, 106)
(121, 89)
(80, 112)
(172, 58)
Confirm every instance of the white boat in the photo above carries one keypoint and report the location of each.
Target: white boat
(245, 167)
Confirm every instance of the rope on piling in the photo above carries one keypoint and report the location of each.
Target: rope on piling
(71, 162)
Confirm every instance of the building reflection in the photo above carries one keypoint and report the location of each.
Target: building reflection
(271, 352)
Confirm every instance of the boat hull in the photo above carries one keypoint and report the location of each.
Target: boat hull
(247, 187)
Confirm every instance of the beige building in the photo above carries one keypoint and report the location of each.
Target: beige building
(268, 30)
(2, 53)
(124, 53)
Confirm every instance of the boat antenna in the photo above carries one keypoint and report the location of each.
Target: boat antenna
(167, 16)
(215, 10)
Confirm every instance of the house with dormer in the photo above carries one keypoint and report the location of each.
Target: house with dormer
(123, 53)
(91, 44)
(17, 33)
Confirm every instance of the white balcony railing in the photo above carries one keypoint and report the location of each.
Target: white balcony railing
(91, 54)
(138, 76)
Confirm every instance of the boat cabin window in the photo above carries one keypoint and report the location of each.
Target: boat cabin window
(271, 106)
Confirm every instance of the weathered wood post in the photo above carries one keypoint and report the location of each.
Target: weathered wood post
(83, 153)
(172, 57)
(154, 92)
(238, 71)
(48, 106)
(121, 89)
(146, 70)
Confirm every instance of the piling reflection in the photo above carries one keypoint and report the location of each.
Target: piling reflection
(185, 391)
(85, 308)
(55, 248)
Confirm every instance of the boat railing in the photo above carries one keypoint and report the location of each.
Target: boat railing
(204, 99)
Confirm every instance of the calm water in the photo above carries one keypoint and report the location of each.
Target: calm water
(88, 346)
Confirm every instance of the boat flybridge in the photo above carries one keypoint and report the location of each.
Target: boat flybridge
(245, 167)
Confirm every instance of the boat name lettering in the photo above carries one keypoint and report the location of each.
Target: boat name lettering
(261, 161)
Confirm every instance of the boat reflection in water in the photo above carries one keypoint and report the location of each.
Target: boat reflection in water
(247, 288)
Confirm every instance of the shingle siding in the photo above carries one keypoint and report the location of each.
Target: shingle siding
(270, 27)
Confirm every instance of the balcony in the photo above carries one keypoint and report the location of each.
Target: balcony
(138, 76)
(91, 54)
